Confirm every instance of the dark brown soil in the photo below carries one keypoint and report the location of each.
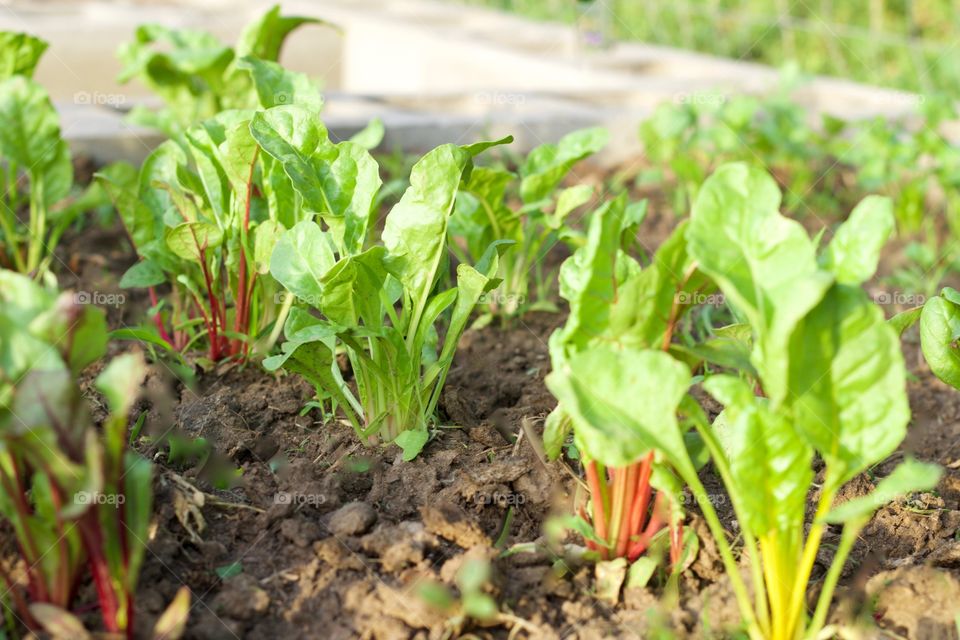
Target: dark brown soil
(334, 539)
(321, 537)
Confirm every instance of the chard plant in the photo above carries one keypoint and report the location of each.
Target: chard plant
(74, 494)
(34, 215)
(204, 215)
(378, 304)
(829, 382)
(689, 139)
(622, 322)
(939, 319)
(196, 75)
(908, 163)
(534, 224)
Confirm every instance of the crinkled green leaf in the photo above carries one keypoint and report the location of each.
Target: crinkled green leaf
(141, 275)
(265, 36)
(939, 330)
(415, 232)
(277, 86)
(298, 140)
(548, 164)
(31, 132)
(854, 252)
(764, 263)
(588, 278)
(650, 304)
(370, 136)
(481, 214)
(847, 383)
(351, 289)
(190, 240)
(769, 461)
(19, 54)
(623, 403)
(300, 260)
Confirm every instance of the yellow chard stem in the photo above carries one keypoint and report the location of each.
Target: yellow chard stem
(812, 545)
(771, 574)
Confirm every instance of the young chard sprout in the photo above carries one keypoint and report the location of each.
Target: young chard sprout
(483, 216)
(617, 387)
(379, 305)
(73, 494)
(204, 214)
(833, 385)
(30, 143)
(196, 75)
(939, 330)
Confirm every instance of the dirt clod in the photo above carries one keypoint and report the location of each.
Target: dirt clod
(241, 599)
(351, 519)
(918, 602)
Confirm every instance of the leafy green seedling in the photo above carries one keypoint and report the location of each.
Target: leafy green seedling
(203, 216)
(618, 307)
(196, 75)
(483, 216)
(832, 383)
(72, 493)
(378, 304)
(690, 138)
(939, 332)
(31, 144)
(473, 603)
(205, 212)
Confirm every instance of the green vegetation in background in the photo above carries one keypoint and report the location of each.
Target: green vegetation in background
(31, 147)
(905, 44)
(73, 493)
(823, 166)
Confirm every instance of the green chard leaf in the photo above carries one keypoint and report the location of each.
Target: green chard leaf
(939, 331)
(277, 86)
(302, 257)
(19, 54)
(547, 165)
(847, 382)
(623, 403)
(264, 37)
(854, 252)
(764, 263)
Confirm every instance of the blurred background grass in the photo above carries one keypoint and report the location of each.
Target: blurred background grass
(907, 44)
